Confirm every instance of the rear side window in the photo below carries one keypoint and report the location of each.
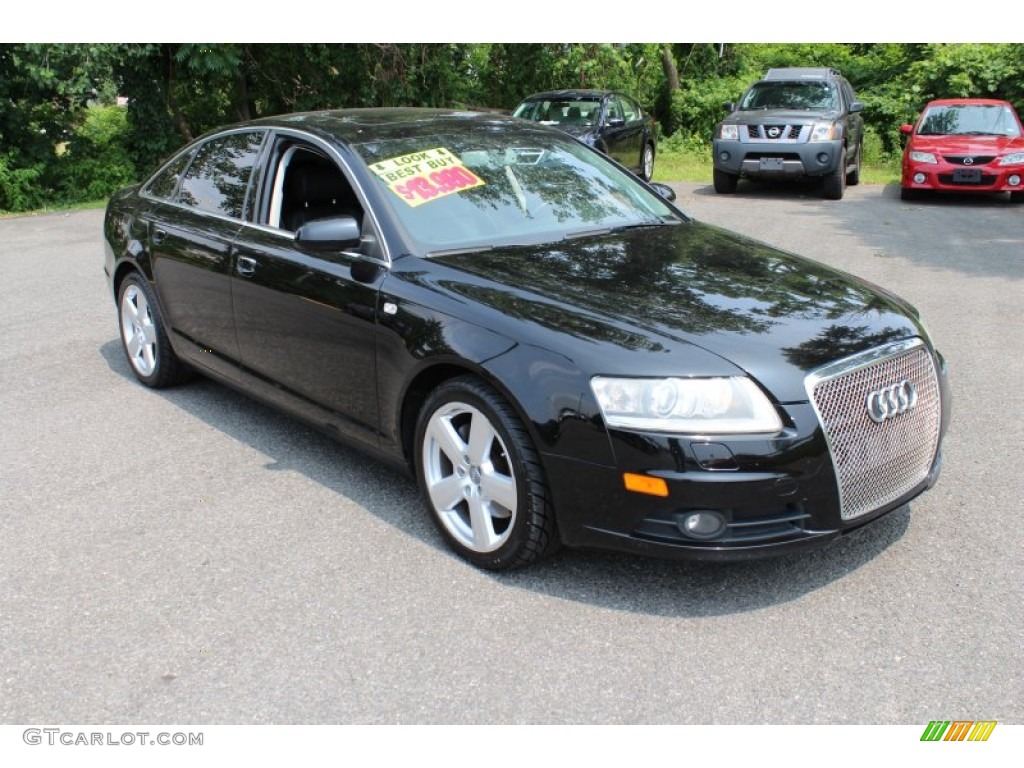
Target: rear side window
(218, 179)
(165, 184)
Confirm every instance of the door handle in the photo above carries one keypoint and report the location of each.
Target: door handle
(245, 265)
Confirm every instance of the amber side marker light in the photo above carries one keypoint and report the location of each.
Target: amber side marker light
(652, 486)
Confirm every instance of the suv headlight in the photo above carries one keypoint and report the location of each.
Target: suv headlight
(692, 406)
(729, 132)
(1015, 159)
(825, 131)
(923, 157)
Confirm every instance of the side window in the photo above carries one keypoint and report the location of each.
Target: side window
(165, 183)
(630, 110)
(615, 108)
(307, 186)
(218, 180)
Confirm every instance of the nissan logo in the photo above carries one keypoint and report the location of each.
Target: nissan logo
(889, 402)
(968, 161)
(774, 132)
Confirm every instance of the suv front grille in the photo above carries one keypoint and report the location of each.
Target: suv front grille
(773, 132)
(878, 462)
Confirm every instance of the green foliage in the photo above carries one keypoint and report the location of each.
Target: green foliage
(95, 162)
(19, 187)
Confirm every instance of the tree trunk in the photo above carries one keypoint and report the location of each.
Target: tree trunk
(668, 63)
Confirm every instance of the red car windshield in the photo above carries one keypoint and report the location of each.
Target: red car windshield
(969, 120)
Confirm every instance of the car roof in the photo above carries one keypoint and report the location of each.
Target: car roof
(569, 94)
(967, 102)
(802, 73)
(351, 125)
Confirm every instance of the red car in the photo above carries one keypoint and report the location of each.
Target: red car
(964, 145)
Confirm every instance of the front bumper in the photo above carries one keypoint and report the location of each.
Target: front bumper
(946, 177)
(777, 159)
(776, 494)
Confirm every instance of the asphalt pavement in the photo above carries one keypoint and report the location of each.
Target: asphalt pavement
(190, 556)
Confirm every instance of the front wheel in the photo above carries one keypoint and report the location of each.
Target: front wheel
(834, 184)
(481, 477)
(1017, 197)
(143, 336)
(647, 163)
(725, 183)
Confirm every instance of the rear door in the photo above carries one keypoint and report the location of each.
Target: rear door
(191, 239)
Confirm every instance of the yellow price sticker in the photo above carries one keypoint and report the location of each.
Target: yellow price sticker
(420, 177)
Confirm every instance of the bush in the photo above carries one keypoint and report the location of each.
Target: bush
(95, 162)
(19, 187)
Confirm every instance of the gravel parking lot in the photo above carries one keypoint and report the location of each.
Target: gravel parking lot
(190, 556)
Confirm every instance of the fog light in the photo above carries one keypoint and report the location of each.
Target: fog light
(723, 156)
(705, 524)
(823, 157)
(1014, 180)
(919, 178)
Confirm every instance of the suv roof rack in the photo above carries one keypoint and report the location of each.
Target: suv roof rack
(802, 73)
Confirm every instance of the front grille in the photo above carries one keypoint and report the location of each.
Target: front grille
(773, 132)
(877, 463)
(974, 159)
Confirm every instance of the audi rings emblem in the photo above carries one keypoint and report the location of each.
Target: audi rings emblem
(968, 161)
(774, 132)
(889, 402)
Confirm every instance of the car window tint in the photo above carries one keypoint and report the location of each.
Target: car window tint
(165, 183)
(219, 178)
(629, 109)
(615, 109)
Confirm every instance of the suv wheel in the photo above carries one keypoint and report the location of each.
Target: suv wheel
(725, 183)
(853, 177)
(835, 182)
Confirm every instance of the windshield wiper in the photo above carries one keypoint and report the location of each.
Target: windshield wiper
(586, 233)
(460, 251)
(648, 224)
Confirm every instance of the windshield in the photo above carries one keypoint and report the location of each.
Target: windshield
(815, 95)
(486, 187)
(561, 111)
(969, 120)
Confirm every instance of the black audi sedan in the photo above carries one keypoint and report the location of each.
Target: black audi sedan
(553, 350)
(610, 122)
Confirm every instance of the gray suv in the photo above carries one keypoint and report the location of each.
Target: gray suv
(796, 122)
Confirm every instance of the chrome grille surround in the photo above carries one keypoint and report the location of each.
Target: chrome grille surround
(877, 463)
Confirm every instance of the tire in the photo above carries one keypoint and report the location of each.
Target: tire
(481, 477)
(647, 163)
(143, 337)
(725, 183)
(909, 194)
(853, 177)
(834, 184)
(1017, 197)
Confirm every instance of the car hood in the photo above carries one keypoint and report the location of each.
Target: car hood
(789, 116)
(968, 145)
(676, 300)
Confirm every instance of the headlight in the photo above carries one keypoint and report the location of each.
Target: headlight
(729, 132)
(824, 132)
(1015, 159)
(693, 406)
(923, 157)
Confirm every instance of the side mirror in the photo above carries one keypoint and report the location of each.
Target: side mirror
(664, 190)
(729, 106)
(333, 234)
(856, 106)
(906, 130)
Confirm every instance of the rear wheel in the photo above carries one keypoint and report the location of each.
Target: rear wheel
(481, 477)
(725, 183)
(143, 336)
(647, 163)
(853, 177)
